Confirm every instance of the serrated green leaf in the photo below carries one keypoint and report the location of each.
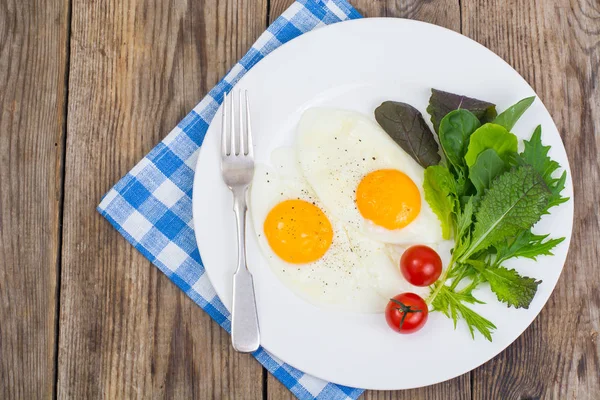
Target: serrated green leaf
(455, 130)
(536, 155)
(510, 287)
(450, 303)
(515, 201)
(556, 187)
(491, 136)
(487, 167)
(511, 115)
(538, 248)
(440, 303)
(527, 245)
(440, 191)
(464, 219)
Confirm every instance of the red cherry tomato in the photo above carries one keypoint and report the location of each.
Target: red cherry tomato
(421, 265)
(406, 313)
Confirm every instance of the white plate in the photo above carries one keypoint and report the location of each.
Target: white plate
(356, 65)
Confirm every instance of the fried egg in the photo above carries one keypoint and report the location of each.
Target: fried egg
(311, 251)
(364, 178)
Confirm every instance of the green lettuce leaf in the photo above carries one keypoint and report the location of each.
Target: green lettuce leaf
(441, 103)
(526, 244)
(491, 136)
(536, 155)
(510, 287)
(440, 189)
(515, 201)
(455, 130)
(464, 218)
(488, 166)
(511, 115)
(406, 126)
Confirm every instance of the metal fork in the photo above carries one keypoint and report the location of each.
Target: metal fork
(237, 166)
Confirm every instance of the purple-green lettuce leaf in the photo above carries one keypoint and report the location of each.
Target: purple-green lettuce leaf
(441, 103)
(406, 126)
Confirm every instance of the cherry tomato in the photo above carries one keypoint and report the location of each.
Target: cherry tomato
(421, 265)
(406, 313)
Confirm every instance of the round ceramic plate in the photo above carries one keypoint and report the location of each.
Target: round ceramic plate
(356, 65)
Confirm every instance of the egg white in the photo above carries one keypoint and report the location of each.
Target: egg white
(355, 274)
(336, 149)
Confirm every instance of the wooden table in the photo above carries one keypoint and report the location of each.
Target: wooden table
(87, 88)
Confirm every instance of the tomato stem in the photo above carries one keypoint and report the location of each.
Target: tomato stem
(405, 311)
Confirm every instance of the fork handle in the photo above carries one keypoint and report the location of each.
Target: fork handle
(245, 335)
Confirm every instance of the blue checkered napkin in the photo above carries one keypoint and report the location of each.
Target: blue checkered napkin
(152, 205)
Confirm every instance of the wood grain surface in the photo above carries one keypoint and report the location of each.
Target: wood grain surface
(555, 45)
(123, 73)
(137, 67)
(33, 62)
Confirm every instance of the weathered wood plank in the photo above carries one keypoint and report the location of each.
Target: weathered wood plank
(33, 61)
(137, 67)
(441, 12)
(445, 13)
(555, 45)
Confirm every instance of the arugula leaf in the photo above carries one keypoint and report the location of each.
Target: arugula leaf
(556, 188)
(464, 218)
(406, 126)
(526, 244)
(487, 167)
(511, 115)
(491, 136)
(441, 103)
(536, 155)
(510, 287)
(440, 187)
(515, 201)
(450, 303)
(455, 130)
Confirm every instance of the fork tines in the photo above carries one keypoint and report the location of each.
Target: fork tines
(236, 136)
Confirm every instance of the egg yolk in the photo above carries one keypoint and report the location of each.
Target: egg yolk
(298, 231)
(388, 198)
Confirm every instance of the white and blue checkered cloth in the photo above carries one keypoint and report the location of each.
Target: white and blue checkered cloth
(152, 205)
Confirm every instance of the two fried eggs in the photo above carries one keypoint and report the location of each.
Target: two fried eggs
(333, 213)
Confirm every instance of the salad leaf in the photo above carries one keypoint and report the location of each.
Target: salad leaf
(464, 218)
(536, 155)
(510, 287)
(406, 126)
(526, 244)
(491, 136)
(555, 189)
(462, 183)
(450, 303)
(455, 130)
(515, 201)
(439, 187)
(490, 196)
(441, 103)
(511, 115)
(487, 167)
